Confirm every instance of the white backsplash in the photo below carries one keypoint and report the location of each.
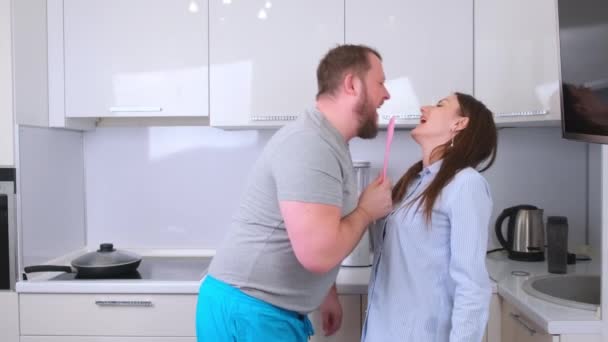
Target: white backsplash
(177, 187)
(50, 186)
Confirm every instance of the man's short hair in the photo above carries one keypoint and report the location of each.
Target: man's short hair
(340, 60)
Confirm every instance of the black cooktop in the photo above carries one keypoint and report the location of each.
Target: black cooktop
(158, 268)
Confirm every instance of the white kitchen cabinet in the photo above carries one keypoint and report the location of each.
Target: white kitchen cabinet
(104, 339)
(516, 60)
(6, 86)
(123, 315)
(351, 321)
(264, 55)
(136, 58)
(493, 329)
(38, 87)
(426, 46)
(9, 316)
(516, 327)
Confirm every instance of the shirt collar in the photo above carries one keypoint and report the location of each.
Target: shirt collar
(431, 169)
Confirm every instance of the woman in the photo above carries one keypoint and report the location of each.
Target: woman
(429, 281)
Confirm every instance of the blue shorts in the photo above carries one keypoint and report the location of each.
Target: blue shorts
(225, 313)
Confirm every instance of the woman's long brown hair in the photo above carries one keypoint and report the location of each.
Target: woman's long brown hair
(472, 145)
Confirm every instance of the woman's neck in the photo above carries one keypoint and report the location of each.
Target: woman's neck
(430, 155)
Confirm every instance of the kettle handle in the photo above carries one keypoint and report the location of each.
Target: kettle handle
(501, 238)
(507, 213)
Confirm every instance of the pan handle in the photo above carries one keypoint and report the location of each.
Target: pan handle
(47, 268)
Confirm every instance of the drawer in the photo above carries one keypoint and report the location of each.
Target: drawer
(107, 314)
(104, 339)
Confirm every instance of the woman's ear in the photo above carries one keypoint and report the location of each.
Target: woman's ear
(461, 124)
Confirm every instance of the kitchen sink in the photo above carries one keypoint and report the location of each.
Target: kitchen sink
(576, 291)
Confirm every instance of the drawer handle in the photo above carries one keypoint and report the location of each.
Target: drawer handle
(144, 303)
(527, 113)
(274, 118)
(402, 116)
(519, 320)
(135, 109)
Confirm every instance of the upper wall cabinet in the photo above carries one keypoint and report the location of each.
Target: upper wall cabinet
(38, 86)
(134, 58)
(426, 46)
(516, 59)
(264, 55)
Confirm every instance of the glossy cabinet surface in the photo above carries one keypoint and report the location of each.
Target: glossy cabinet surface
(427, 49)
(9, 316)
(104, 339)
(516, 65)
(516, 327)
(108, 315)
(136, 58)
(264, 55)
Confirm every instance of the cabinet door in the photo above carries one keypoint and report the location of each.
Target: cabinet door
(9, 317)
(494, 320)
(426, 46)
(516, 65)
(6, 86)
(264, 55)
(137, 315)
(516, 327)
(133, 58)
(351, 322)
(104, 339)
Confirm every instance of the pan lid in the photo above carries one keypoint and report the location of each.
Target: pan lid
(106, 256)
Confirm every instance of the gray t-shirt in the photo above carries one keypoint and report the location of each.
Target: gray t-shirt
(306, 161)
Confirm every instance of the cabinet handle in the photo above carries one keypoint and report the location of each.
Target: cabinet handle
(528, 113)
(274, 118)
(519, 320)
(135, 109)
(145, 303)
(402, 116)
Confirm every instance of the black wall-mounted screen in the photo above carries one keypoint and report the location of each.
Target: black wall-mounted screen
(583, 42)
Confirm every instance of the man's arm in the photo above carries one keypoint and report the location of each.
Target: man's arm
(320, 238)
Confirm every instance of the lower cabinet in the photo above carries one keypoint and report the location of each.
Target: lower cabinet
(353, 308)
(516, 327)
(493, 328)
(140, 317)
(104, 339)
(105, 317)
(9, 319)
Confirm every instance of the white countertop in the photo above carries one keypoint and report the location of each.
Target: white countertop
(351, 280)
(553, 318)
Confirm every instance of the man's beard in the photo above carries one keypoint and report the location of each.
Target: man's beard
(366, 114)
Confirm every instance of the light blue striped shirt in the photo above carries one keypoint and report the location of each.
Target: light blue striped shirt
(429, 283)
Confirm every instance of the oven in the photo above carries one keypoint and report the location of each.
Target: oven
(8, 230)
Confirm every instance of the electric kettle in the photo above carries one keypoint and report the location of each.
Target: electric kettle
(362, 254)
(525, 239)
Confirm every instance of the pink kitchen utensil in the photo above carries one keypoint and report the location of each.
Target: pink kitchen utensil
(389, 138)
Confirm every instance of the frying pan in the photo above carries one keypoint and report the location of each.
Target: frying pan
(106, 262)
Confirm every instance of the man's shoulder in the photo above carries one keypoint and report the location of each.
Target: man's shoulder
(299, 137)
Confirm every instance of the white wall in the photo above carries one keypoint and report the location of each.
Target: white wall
(51, 193)
(6, 86)
(177, 187)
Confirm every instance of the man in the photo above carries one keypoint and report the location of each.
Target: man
(300, 215)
